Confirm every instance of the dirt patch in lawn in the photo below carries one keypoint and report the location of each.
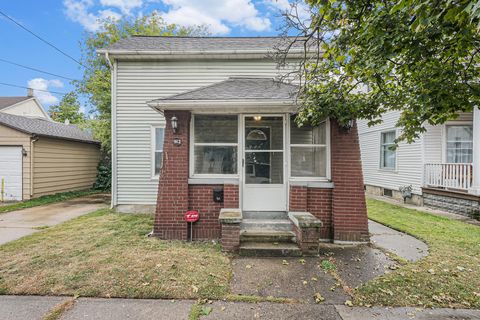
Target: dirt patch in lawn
(105, 254)
(448, 277)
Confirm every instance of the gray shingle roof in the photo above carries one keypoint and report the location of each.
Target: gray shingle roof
(10, 101)
(46, 128)
(205, 44)
(239, 88)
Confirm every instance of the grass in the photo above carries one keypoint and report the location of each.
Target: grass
(57, 312)
(105, 254)
(448, 277)
(40, 201)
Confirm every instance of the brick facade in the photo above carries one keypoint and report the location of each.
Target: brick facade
(342, 209)
(349, 212)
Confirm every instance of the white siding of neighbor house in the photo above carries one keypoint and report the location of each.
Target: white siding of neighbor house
(138, 82)
(409, 157)
(29, 108)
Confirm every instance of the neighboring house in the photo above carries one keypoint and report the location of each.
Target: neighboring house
(201, 124)
(40, 157)
(27, 106)
(442, 165)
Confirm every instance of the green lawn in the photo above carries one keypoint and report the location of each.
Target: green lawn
(40, 201)
(104, 254)
(448, 277)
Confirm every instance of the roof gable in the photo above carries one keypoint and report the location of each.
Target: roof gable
(6, 102)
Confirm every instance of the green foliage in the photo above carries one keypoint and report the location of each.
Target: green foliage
(96, 77)
(419, 57)
(104, 174)
(68, 108)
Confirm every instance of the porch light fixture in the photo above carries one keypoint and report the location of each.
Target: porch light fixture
(174, 123)
(257, 118)
(348, 126)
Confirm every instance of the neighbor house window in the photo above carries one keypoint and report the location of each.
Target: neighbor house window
(157, 149)
(215, 144)
(388, 157)
(459, 144)
(308, 151)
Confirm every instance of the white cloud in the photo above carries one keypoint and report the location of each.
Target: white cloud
(77, 10)
(124, 5)
(288, 6)
(218, 15)
(45, 97)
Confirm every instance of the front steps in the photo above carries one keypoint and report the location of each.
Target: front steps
(267, 234)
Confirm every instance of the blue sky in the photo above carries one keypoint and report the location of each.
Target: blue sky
(64, 22)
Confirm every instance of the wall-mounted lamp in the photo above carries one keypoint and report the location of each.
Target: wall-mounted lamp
(174, 123)
(24, 152)
(348, 125)
(257, 118)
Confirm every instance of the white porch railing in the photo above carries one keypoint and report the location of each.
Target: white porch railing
(449, 175)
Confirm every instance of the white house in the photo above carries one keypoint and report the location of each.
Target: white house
(442, 166)
(27, 106)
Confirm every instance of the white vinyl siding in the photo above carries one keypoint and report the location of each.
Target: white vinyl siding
(409, 163)
(138, 82)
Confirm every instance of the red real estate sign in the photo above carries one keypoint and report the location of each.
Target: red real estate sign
(192, 216)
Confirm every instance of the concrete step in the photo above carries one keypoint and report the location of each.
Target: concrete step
(262, 249)
(265, 215)
(267, 224)
(262, 235)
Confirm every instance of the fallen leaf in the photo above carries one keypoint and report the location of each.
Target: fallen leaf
(248, 266)
(318, 298)
(431, 271)
(305, 282)
(349, 303)
(285, 262)
(314, 279)
(194, 289)
(459, 268)
(302, 261)
(206, 311)
(222, 308)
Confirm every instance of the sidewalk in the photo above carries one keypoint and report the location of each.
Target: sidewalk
(36, 307)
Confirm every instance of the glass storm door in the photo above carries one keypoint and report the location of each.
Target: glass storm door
(264, 187)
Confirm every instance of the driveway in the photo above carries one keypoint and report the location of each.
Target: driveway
(19, 223)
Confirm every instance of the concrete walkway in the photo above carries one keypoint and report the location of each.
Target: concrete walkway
(403, 245)
(19, 223)
(36, 307)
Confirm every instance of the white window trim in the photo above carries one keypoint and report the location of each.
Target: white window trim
(191, 161)
(381, 167)
(153, 148)
(445, 135)
(327, 145)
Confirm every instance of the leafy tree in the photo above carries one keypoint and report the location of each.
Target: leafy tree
(68, 108)
(96, 76)
(364, 58)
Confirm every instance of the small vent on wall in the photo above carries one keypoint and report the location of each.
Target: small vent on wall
(387, 192)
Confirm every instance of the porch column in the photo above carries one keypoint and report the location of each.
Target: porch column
(475, 187)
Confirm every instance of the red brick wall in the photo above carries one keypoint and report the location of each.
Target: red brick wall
(350, 221)
(317, 201)
(231, 196)
(172, 201)
(200, 198)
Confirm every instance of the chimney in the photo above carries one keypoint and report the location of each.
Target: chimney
(30, 92)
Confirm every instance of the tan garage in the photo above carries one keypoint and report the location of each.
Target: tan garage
(40, 157)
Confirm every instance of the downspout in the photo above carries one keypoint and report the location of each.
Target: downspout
(33, 139)
(113, 72)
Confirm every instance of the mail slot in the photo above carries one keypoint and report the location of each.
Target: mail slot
(218, 195)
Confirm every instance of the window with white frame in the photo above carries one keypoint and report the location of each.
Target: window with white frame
(215, 144)
(308, 151)
(388, 154)
(157, 149)
(459, 144)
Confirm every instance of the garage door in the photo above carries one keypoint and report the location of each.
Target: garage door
(11, 173)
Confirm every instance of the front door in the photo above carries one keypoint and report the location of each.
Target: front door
(264, 187)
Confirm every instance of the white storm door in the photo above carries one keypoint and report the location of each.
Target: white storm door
(264, 187)
(11, 173)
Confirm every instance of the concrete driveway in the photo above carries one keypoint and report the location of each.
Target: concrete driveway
(19, 223)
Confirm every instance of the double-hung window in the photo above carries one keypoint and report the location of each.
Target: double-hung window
(459, 144)
(309, 151)
(388, 153)
(215, 145)
(157, 149)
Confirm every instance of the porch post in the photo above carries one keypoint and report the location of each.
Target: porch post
(475, 187)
